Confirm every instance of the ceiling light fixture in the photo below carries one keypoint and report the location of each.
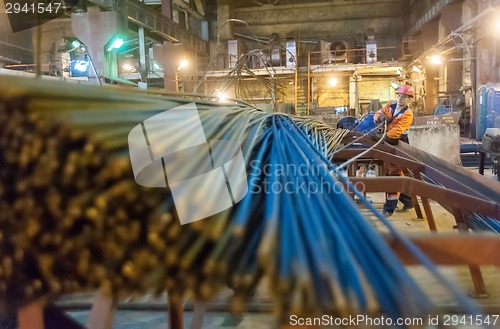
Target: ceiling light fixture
(116, 44)
(435, 59)
(182, 64)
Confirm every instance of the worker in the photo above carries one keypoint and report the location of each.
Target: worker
(399, 118)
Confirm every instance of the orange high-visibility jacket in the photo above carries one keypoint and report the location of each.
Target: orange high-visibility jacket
(398, 124)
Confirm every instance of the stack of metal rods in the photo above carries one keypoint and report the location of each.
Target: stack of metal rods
(72, 217)
(482, 223)
(323, 136)
(71, 210)
(70, 214)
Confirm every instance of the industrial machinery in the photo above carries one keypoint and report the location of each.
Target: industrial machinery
(491, 147)
(335, 51)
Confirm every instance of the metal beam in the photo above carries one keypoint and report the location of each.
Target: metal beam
(200, 7)
(432, 13)
(143, 60)
(451, 175)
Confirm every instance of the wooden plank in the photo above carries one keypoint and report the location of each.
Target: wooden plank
(451, 249)
(175, 311)
(31, 316)
(437, 193)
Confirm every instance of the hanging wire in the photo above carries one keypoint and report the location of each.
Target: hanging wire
(217, 46)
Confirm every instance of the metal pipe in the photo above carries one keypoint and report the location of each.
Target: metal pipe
(257, 2)
(187, 8)
(266, 41)
(460, 59)
(143, 61)
(356, 95)
(15, 46)
(38, 46)
(308, 83)
(5, 59)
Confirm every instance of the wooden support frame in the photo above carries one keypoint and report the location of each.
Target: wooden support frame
(31, 316)
(38, 315)
(475, 271)
(175, 312)
(454, 194)
(440, 194)
(451, 249)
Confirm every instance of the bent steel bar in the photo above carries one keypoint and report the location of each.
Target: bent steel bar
(382, 155)
(451, 175)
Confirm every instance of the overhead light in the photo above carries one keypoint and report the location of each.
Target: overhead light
(128, 67)
(416, 69)
(221, 96)
(183, 63)
(394, 85)
(435, 59)
(70, 44)
(333, 82)
(496, 25)
(116, 44)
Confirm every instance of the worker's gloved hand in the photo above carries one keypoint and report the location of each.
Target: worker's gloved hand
(376, 137)
(392, 141)
(385, 138)
(378, 118)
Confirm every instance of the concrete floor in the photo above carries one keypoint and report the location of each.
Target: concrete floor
(158, 320)
(405, 222)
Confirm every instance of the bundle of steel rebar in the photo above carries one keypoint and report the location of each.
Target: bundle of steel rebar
(482, 223)
(73, 218)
